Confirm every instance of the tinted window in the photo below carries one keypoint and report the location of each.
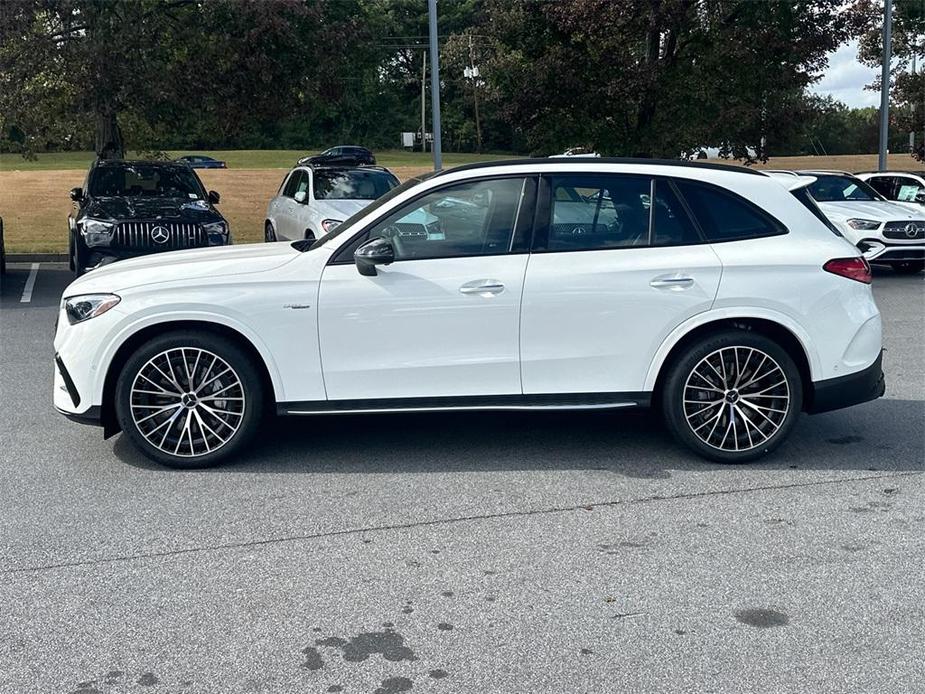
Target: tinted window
(596, 212)
(724, 216)
(145, 180)
(468, 219)
(671, 226)
(352, 185)
(883, 185)
(840, 188)
(292, 185)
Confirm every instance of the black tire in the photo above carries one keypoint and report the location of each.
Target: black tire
(269, 233)
(78, 259)
(309, 235)
(246, 394)
(909, 267)
(754, 438)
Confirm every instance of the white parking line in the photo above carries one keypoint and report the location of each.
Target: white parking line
(30, 283)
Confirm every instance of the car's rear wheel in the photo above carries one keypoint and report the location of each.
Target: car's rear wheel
(189, 399)
(733, 396)
(909, 267)
(269, 233)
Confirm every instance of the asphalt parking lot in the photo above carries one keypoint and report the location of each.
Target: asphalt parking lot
(580, 552)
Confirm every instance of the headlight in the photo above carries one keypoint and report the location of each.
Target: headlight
(95, 232)
(81, 308)
(330, 225)
(863, 224)
(216, 228)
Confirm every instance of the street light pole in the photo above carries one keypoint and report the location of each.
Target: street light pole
(435, 83)
(885, 82)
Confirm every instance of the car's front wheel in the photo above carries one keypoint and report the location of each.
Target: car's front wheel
(909, 267)
(189, 399)
(733, 396)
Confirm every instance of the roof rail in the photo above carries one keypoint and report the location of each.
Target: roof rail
(735, 168)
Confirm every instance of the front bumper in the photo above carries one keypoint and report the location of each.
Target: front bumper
(845, 391)
(883, 251)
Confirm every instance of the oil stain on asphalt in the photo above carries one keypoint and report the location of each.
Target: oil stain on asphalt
(762, 618)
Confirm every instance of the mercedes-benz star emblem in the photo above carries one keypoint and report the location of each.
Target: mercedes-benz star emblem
(912, 230)
(160, 234)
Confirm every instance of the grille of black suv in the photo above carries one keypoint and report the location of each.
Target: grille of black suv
(906, 231)
(158, 236)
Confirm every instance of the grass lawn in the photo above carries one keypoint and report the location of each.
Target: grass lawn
(34, 199)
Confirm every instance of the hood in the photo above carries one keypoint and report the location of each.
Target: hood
(340, 209)
(184, 266)
(171, 209)
(878, 210)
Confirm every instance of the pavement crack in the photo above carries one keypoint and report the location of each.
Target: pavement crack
(442, 521)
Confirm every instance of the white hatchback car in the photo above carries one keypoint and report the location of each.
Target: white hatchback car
(311, 201)
(713, 293)
(887, 232)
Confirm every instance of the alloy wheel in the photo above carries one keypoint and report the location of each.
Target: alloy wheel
(187, 401)
(736, 398)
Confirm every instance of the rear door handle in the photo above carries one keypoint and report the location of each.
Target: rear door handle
(482, 287)
(671, 282)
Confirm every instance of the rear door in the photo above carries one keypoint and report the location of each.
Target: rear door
(617, 264)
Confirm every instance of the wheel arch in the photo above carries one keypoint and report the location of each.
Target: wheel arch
(148, 332)
(783, 335)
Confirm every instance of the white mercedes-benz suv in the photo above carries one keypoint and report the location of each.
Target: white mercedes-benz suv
(311, 201)
(713, 293)
(887, 232)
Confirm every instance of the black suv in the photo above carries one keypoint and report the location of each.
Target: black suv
(342, 155)
(131, 208)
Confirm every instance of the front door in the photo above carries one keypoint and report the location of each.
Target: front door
(443, 319)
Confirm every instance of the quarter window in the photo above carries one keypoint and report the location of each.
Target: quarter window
(469, 219)
(724, 216)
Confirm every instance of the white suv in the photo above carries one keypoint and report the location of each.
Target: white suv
(887, 232)
(311, 201)
(713, 293)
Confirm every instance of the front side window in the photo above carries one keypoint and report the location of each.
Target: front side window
(591, 212)
(141, 180)
(840, 188)
(724, 216)
(293, 183)
(352, 185)
(883, 185)
(467, 219)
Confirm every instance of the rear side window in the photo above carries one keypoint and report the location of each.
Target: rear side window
(802, 194)
(724, 216)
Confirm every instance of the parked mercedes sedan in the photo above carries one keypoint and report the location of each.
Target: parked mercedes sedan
(131, 208)
(716, 294)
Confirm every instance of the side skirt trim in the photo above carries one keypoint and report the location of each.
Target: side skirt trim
(549, 402)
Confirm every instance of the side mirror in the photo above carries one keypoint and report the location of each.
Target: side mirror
(300, 197)
(214, 197)
(77, 194)
(372, 253)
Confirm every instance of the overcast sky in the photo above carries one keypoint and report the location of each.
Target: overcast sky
(845, 78)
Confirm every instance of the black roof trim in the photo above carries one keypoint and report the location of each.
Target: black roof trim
(917, 172)
(735, 168)
(132, 162)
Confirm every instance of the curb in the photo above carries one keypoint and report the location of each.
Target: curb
(36, 257)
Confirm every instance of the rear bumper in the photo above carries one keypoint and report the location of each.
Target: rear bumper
(845, 391)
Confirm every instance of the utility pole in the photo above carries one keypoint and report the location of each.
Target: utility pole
(885, 82)
(435, 83)
(424, 101)
(473, 75)
(912, 130)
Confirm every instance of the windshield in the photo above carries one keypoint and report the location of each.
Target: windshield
(145, 180)
(352, 185)
(347, 223)
(841, 188)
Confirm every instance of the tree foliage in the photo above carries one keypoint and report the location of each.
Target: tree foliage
(648, 77)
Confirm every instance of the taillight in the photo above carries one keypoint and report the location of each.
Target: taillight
(857, 269)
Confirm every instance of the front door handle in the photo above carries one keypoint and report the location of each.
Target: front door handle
(482, 287)
(672, 282)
